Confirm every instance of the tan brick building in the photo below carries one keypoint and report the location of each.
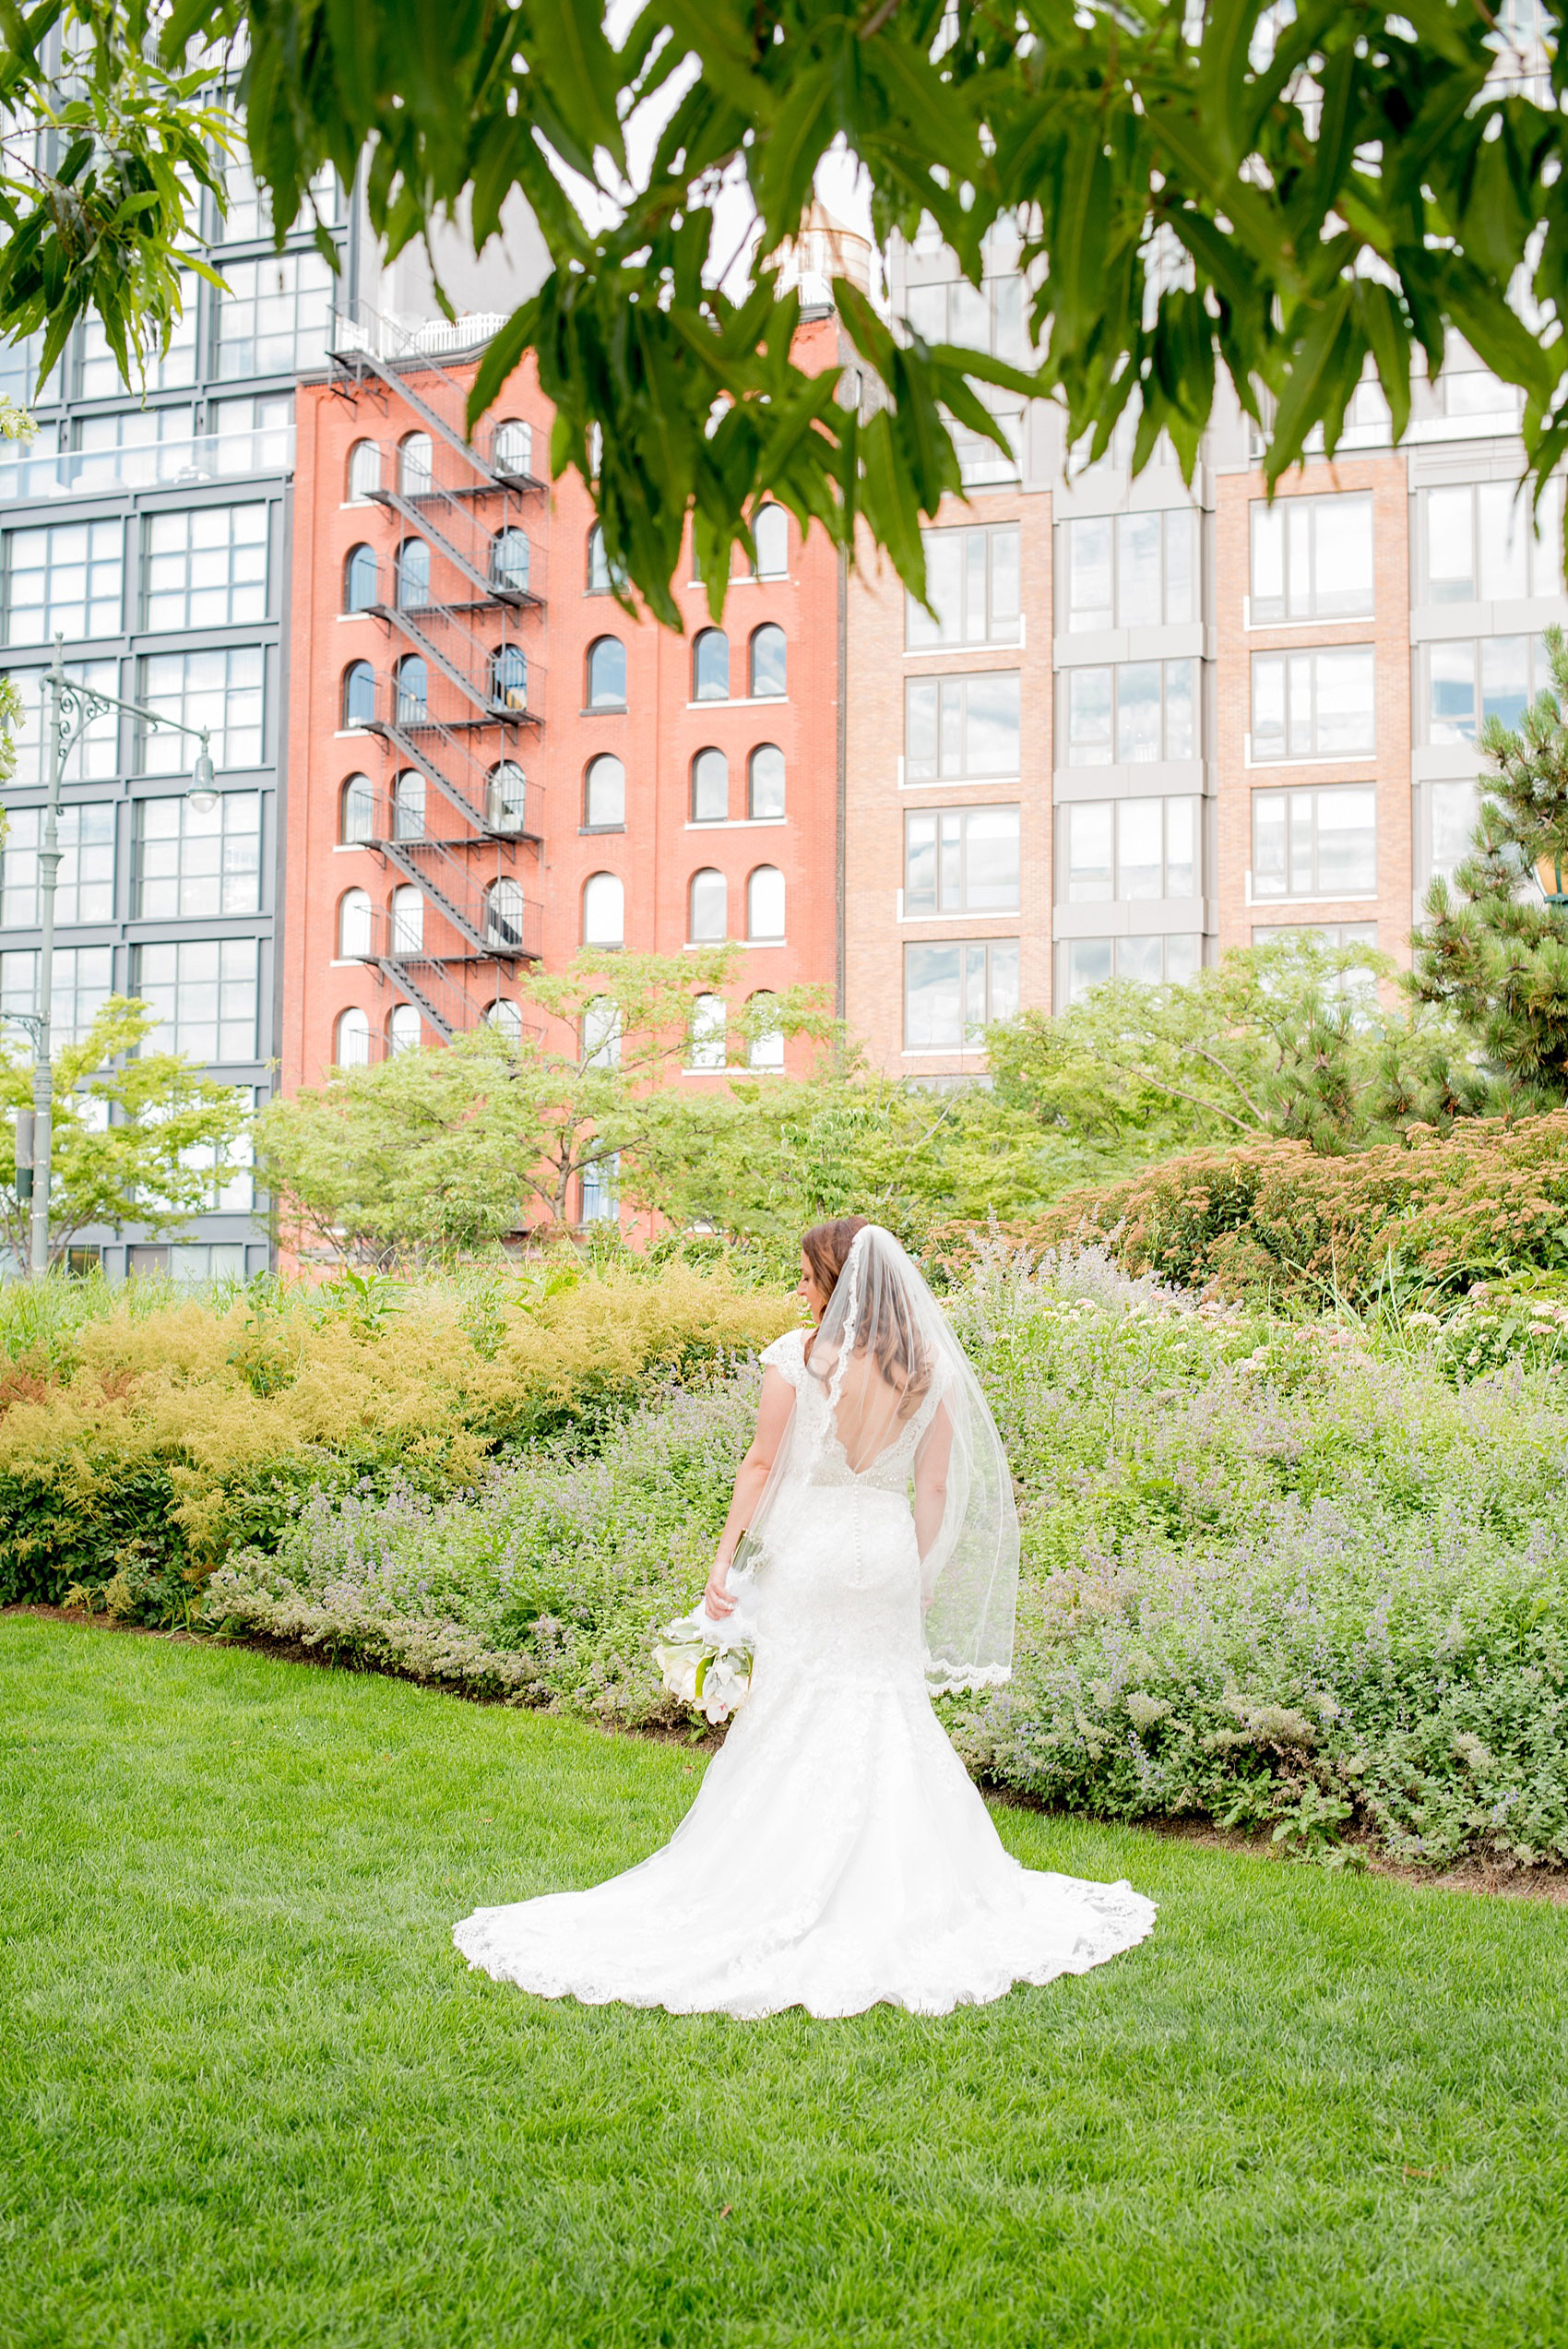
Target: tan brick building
(1154, 720)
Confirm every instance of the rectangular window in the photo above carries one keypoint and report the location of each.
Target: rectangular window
(961, 729)
(1473, 678)
(1322, 933)
(1480, 541)
(601, 1186)
(82, 984)
(1312, 705)
(94, 757)
(1315, 843)
(232, 1190)
(202, 992)
(1455, 808)
(1130, 849)
(97, 370)
(274, 319)
(130, 448)
(63, 579)
(1139, 711)
(982, 464)
(18, 367)
(972, 580)
(1148, 961)
(85, 889)
(205, 567)
(983, 317)
(953, 990)
(251, 435)
(1311, 558)
(219, 690)
(246, 215)
(190, 864)
(1132, 570)
(961, 859)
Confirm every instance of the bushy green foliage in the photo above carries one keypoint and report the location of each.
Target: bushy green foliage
(139, 1136)
(1426, 1216)
(1288, 1039)
(1304, 1576)
(1494, 950)
(142, 1441)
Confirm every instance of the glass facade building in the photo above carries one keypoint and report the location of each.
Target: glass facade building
(152, 531)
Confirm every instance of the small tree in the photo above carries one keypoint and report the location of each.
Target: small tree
(138, 1137)
(1494, 950)
(440, 1150)
(1289, 1039)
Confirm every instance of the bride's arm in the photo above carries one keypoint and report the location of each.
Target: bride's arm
(772, 1421)
(931, 1456)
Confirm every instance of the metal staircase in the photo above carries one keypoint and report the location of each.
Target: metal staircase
(464, 716)
(445, 760)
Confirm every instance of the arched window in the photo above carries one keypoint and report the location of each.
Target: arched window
(604, 795)
(764, 783)
(360, 590)
(771, 532)
(709, 900)
(709, 1020)
(365, 470)
(359, 694)
(767, 662)
(408, 920)
(710, 787)
(607, 674)
(356, 926)
(413, 575)
(507, 793)
(504, 915)
(604, 911)
(603, 577)
(602, 1033)
(512, 449)
(408, 806)
(767, 1044)
(509, 560)
(403, 1029)
(506, 1018)
(710, 666)
(413, 691)
(510, 678)
(351, 1046)
(356, 812)
(765, 903)
(414, 471)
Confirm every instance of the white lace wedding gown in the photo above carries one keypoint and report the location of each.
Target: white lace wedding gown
(837, 1854)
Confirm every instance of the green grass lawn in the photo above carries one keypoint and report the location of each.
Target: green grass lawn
(253, 2095)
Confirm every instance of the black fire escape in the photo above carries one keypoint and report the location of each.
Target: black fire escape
(459, 699)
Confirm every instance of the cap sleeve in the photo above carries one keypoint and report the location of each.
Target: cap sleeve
(788, 1354)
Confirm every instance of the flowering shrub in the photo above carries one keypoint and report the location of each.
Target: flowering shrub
(1292, 1576)
(1429, 1212)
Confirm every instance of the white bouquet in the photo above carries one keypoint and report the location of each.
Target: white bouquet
(705, 1662)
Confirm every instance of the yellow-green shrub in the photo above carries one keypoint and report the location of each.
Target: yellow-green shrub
(167, 1439)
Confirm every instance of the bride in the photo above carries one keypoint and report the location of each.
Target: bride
(837, 1853)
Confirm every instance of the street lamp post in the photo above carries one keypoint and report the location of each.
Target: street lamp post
(72, 708)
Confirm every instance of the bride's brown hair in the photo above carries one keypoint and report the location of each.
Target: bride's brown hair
(827, 1248)
(900, 1355)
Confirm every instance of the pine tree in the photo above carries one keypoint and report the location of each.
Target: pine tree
(1494, 950)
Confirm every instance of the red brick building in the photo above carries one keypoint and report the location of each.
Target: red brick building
(491, 762)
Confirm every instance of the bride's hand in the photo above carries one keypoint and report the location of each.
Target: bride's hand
(716, 1599)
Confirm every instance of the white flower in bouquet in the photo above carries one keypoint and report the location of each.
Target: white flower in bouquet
(707, 1664)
